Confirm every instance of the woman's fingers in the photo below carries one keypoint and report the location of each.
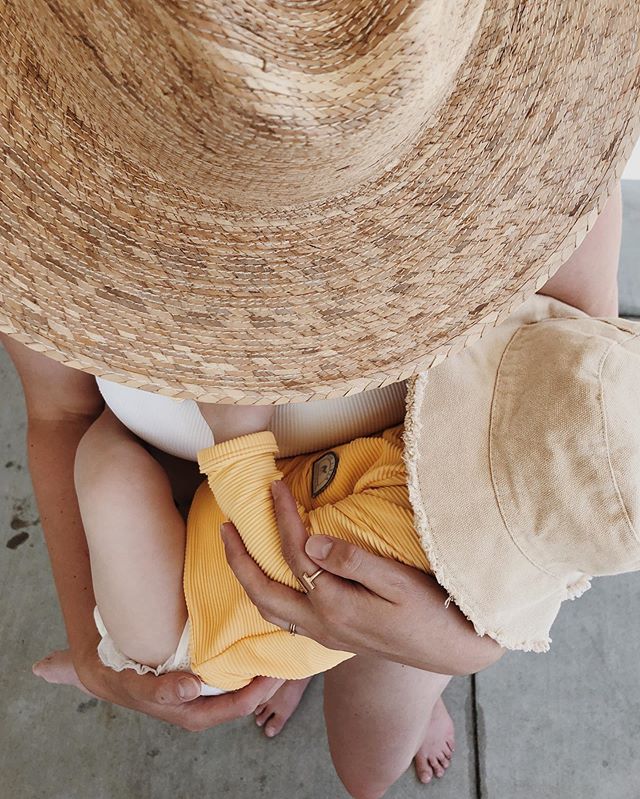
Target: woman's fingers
(174, 688)
(277, 603)
(305, 553)
(208, 711)
(173, 697)
(293, 533)
(386, 578)
(165, 697)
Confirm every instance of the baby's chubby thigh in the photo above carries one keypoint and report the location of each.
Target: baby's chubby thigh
(136, 541)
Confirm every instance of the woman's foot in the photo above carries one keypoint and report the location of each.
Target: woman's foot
(58, 668)
(434, 755)
(275, 713)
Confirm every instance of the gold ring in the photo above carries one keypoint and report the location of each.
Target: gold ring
(292, 629)
(307, 580)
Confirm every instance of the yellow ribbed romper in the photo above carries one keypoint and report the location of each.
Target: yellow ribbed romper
(361, 496)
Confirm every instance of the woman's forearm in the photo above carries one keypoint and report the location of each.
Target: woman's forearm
(589, 279)
(52, 445)
(447, 642)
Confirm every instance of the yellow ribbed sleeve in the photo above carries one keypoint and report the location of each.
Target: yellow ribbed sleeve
(365, 502)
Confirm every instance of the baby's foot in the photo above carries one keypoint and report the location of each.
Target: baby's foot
(275, 713)
(58, 668)
(434, 755)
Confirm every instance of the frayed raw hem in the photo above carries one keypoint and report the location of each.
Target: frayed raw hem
(522, 646)
(412, 429)
(578, 588)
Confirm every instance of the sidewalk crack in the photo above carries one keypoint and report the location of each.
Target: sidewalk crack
(476, 739)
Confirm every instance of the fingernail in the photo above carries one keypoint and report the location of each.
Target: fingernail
(275, 488)
(188, 689)
(223, 530)
(318, 546)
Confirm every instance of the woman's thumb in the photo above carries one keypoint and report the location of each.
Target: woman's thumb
(352, 563)
(318, 547)
(172, 688)
(339, 557)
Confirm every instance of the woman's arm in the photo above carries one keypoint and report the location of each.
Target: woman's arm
(363, 603)
(413, 622)
(384, 608)
(61, 405)
(589, 279)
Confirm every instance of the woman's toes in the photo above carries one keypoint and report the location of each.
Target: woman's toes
(444, 761)
(263, 717)
(275, 713)
(274, 725)
(437, 768)
(423, 769)
(451, 745)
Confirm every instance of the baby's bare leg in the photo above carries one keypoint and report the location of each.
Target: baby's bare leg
(136, 541)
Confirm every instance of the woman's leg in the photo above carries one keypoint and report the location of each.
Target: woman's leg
(378, 715)
(136, 540)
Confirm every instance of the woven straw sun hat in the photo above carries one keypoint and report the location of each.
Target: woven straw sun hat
(275, 202)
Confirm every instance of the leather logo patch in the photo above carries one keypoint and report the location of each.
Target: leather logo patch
(323, 471)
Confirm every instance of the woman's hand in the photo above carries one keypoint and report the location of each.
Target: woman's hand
(362, 603)
(173, 697)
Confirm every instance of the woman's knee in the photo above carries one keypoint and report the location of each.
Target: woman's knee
(376, 714)
(364, 779)
(361, 785)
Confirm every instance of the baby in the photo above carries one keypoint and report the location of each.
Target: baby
(356, 491)
(480, 490)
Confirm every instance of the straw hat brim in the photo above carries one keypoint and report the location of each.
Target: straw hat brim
(116, 262)
(471, 551)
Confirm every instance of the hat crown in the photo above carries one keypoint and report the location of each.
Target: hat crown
(565, 444)
(300, 101)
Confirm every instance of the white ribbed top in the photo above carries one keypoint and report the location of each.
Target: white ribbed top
(177, 426)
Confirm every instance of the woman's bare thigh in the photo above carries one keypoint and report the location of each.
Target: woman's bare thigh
(377, 714)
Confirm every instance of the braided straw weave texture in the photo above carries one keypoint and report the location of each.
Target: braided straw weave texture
(284, 201)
